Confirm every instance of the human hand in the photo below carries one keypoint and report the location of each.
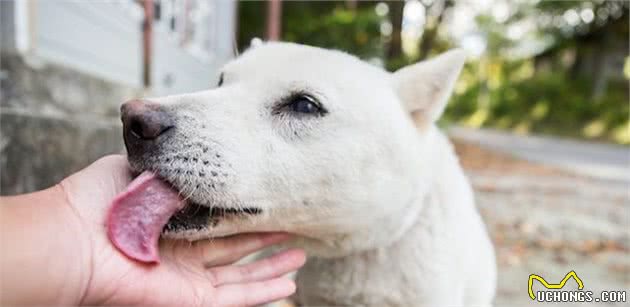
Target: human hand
(197, 273)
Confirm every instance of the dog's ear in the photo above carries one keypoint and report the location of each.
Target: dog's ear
(255, 42)
(425, 87)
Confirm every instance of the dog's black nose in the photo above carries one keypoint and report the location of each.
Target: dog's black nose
(143, 122)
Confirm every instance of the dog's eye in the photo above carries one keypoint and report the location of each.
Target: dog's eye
(300, 105)
(304, 104)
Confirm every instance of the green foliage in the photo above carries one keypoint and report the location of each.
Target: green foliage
(558, 89)
(547, 102)
(329, 24)
(251, 22)
(355, 31)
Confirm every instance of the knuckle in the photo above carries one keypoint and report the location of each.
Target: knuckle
(112, 160)
(247, 270)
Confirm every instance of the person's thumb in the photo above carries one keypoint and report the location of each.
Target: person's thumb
(92, 189)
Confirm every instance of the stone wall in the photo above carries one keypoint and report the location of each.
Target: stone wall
(54, 121)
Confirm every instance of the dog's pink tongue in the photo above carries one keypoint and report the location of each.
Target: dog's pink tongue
(138, 214)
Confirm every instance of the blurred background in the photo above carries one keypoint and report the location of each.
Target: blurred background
(553, 67)
(539, 116)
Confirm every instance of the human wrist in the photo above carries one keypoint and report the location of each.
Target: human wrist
(77, 242)
(48, 250)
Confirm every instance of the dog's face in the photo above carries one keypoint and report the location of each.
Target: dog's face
(298, 139)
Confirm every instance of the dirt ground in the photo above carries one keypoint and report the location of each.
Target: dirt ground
(548, 222)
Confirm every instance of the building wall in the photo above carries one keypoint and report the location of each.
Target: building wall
(65, 69)
(54, 121)
(200, 52)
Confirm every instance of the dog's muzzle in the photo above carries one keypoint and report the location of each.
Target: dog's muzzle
(145, 126)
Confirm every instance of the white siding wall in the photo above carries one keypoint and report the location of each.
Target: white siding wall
(177, 69)
(104, 39)
(101, 38)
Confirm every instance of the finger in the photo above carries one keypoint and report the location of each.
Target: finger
(231, 249)
(106, 177)
(92, 189)
(113, 168)
(277, 265)
(118, 168)
(255, 293)
(222, 251)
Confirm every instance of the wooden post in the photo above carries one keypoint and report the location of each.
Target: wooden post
(274, 20)
(147, 34)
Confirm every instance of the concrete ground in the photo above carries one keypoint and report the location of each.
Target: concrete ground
(548, 221)
(602, 161)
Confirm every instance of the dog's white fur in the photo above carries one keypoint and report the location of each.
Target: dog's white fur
(372, 189)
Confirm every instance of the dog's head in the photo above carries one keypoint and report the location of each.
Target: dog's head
(299, 139)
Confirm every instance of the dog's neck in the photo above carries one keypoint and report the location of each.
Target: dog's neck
(392, 228)
(410, 237)
(436, 156)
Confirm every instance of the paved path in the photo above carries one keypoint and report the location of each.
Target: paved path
(602, 161)
(548, 222)
(549, 225)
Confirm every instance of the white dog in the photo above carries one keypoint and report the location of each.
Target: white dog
(338, 152)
